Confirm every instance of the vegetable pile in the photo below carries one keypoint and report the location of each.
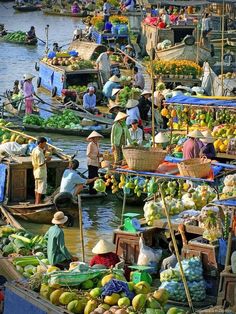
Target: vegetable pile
(67, 120)
(128, 93)
(72, 63)
(18, 36)
(78, 89)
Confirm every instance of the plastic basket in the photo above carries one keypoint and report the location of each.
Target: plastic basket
(195, 167)
(146, 159)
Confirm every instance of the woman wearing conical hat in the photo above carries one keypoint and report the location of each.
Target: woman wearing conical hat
(104, 254)
(93, 155)
(119, 136)
(208, 149)
(191, 148)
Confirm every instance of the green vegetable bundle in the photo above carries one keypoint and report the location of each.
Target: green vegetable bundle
(18, 36)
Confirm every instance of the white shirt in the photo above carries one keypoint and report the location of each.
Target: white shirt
(106, 8)
(136, 135)
(104, 62)
(206, 24)
(133, 113)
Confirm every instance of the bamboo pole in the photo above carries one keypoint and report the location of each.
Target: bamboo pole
(177, 252)
(153, 109)
(81, 228)
(123, 209)
(222, 49)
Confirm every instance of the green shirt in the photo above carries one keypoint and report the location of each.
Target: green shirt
(116, 134)
(56, 250)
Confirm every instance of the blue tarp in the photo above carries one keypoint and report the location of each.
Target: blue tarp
(226, 202)
(196, 101)
(3, 170)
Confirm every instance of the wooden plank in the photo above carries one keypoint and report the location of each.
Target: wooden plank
(226, 156)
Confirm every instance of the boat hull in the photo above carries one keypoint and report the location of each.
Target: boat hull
(79, 15)
(26, 8)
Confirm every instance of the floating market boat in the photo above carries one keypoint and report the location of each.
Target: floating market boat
(30, 42)
(27, 8)
(66, 13)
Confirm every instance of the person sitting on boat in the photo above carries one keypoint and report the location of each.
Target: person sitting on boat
(31, 35)
(106, 10)
(107, 27)
(136, 134)
(57, 253)
(56, 47)
(71, 181)
(16, 89)
(39, 162)
(139, 80)
(192, 147)
(103, 64)
(89, 100)
(28, 91)
(78, 33)
(130, 52)
(93, 155)
(119, 136)
(104, 254)
(75, 9)
(112, 83)
(132, 111)
(89, 31)
(144, 105)
(171, 261)
(208, 149)
(3, 31)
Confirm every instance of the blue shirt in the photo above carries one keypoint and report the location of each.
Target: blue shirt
(108, 87)
(89, 101)
(70, 180)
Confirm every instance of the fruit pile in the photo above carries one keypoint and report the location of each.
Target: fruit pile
(73, 63)
(171, 281)
(7, 136)
(128, 93)
(229, 189)
(78, 89)
(223, 133)
(228, 75)
(18, 36)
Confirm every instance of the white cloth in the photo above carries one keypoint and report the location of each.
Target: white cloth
(136, 135)
(103, 62)
(206, 24)
(133, 113)
(13, 148)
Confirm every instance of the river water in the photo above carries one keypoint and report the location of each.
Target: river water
(100, 216)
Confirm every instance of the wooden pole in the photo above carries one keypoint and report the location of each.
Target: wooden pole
(177, 252)
(81, 228)
(222, 49)
(123, 209)
(153, 109)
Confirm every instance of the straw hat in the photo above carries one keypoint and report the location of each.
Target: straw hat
(146, 92)
(94, 134)
(208, 138)
(115, 91)
(128, 47)
(195, 134)
(103, 247)
(161, 138)
(59, 218)
(131, 103)
(120, 116)
(114, 79)
(113, 105)
(28, 76)
(183, 88)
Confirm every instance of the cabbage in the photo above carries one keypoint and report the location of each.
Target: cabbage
(99, 185)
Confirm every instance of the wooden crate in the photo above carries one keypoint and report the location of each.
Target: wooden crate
(227, 289)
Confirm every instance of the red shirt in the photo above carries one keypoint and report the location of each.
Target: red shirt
(108, 259)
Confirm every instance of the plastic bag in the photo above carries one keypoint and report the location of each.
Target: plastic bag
(148, 256)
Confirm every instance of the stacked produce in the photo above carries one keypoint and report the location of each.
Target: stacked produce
(171, 281)
(78, 89)
(25, 249)
(67, 120)
(229, 189)
(228, 75)
(19, 37)
(7, 136)
(128, 93)
(211, 222)
(72, 63)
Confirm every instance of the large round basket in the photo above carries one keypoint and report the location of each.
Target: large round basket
(196, 167)
(140, 158)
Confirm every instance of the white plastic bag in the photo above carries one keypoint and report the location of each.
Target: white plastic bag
(147, 255)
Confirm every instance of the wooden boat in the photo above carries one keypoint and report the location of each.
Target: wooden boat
(106, 132)
(31, 42)
(66, 13)
(185, 52)
(26, 8)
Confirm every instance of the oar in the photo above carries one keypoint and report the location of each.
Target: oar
(44, 42)
(64, 45)
(81, 227)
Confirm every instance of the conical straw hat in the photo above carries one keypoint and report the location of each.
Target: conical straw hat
(120, 116)
(103, 247)
(208, 138)
(94, 134)
(114, 79)
(131, 103)
(195, 134)
(161, 138)
(115, 91)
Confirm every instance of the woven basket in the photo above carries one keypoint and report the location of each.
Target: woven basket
(146, 159)
(195, 167)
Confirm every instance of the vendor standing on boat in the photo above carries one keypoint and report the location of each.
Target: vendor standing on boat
(106, 11)
(93, 156)
(71, 181)
(136, 134)
(119, 136)
(31, 35)
(192, 147)
(57, 253)
(129, 52)
(144, 104)
(103, 64)
(28, 90)
(90, 100)
(39, 162)
(104, 254)
(139, 80)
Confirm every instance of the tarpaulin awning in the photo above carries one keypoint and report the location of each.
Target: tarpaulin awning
(202, 101)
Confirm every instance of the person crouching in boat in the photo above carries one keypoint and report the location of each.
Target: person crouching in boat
(28, 90)
(104, 254)
(39, 162)
(71, 181)
(112, 83)
(57, 253)
(31, 35)
(93, 155)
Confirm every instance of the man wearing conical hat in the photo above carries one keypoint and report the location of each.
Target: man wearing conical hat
(112, 83)
(119, 136)
(191, 148)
